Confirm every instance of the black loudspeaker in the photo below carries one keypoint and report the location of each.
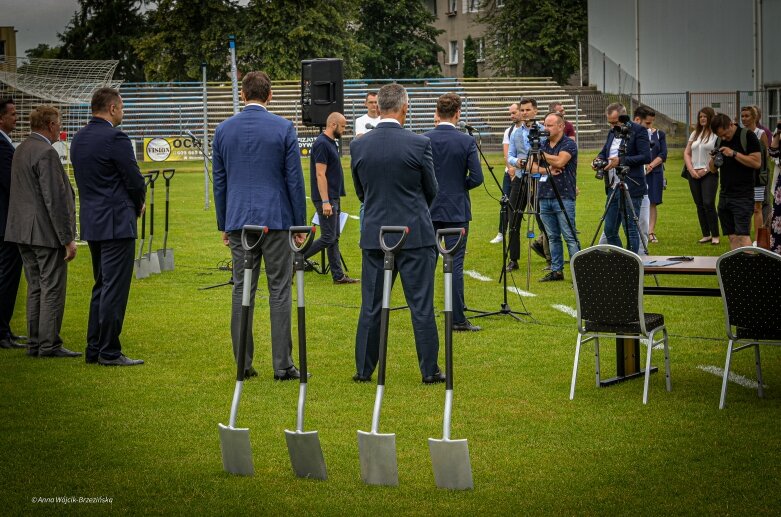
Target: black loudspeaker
(322, 90)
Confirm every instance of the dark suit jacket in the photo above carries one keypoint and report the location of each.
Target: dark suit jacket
(257, 172)
(111, 188)
(393, 174)
(42, 211)
(457, 167)
(6, 156)
(638, 153)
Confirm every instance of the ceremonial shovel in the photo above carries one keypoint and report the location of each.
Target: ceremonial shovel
(166, 255)
(377, 451)
(306, 456)
(151, 257)
(234, 442)
(142, 265)
(450, 458)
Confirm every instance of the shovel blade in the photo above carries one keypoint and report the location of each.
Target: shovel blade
(166, 258)
(154, 263)
(306, 456)
(236, 451)
(377, 453)
(452, 468)
(141, 268)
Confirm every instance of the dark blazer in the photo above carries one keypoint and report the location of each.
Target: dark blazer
(6, 156)
(42, 210)
(457, 168)
(111, 188)
(638, 153)
(658, 148)
(257, 172)
(393, 174)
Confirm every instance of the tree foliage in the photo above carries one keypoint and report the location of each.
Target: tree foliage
(537, 38)
(279, 34)
(399, 39)
(104, 29)
(470, 57)
(44, 51)
(182, 35)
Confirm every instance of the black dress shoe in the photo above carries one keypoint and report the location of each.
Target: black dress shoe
(434, 379)
(10, 343)
(289, 374)
(361, 378)
(32, 351)
(553, 276)
(122, 360)
(60, 352)
(511, 266)
(90, 360)
(346, 280)
(466, 326)
(250, 372)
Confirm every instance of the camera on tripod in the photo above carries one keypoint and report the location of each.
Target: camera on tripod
(622, 130)
(536, 135)
(718, 158)
(599, 165)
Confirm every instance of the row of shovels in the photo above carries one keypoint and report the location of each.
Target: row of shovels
(154, 262)
(377, 451)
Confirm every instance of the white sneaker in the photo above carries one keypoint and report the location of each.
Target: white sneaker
(499, 238)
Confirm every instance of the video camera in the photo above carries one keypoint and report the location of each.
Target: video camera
(623, 129)
(536, 134)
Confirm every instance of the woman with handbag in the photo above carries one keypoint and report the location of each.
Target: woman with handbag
(702, 183)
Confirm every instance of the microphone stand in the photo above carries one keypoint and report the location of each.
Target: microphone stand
(504, 203)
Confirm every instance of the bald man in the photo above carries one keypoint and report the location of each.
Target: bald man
(326, 187)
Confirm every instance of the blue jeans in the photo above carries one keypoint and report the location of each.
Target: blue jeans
(614, 220)
(556, 226)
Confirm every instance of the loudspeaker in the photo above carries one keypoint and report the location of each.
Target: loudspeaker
(322, 90)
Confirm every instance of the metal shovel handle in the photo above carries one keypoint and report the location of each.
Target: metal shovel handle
(310, 232)
(444, 232)
(168, 176)
(153, 177)
(385, 230)
(248, 230)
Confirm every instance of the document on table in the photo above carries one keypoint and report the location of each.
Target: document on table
(660, 263)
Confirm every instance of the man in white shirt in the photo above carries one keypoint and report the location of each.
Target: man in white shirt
(366, 123)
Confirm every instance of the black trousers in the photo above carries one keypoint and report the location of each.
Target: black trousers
(10, 273)
(112, 269)
(704, 194)
(329, 238)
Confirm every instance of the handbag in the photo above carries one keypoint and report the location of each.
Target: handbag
(685, 173)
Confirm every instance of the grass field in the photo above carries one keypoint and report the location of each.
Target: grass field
(146, 437)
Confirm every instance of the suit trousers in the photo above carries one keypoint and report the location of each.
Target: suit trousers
(458, 268)
(112, 269)
(416, 267)
(278, 257)
(329, 238)
(47, 278)
(10, 273)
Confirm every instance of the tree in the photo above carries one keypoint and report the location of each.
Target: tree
(105, 29)
(182, 35)
(470, 57)
(279, 34)
(43, 51)
(537, 38)
(399, 38)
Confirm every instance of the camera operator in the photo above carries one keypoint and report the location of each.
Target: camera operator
(517, 155)
(634, 139)
(736, 164)
(561, 155)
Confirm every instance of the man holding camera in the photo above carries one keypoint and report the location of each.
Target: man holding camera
(736, 156)
(561, 155)
(626, 152)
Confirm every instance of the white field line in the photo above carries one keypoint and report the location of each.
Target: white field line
(520, 292)
(477, 276)
(566, 310)
(354, 217)
(733, 377)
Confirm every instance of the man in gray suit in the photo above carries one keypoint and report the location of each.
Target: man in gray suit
(42, 221)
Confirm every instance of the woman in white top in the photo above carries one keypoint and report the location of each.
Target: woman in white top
(702, 183)
(749, 118)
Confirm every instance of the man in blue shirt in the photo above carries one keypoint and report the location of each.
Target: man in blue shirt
(561, 155)
(326, 187)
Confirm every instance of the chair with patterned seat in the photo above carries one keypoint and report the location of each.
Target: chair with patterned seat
(608, 283)
(750, 283)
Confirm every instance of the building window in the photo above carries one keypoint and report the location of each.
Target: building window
(499, 3)
(453, 53)
(451, 7)
(480, 50)
(471, 6)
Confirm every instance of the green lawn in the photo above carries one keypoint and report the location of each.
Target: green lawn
(146, 437)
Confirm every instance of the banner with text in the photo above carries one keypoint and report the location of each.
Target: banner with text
(170, 149)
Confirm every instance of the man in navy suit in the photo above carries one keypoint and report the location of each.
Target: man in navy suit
(638, 153)
(393, 174)
(457, 167)
(111, 197)
(10, 259)
(258, 180)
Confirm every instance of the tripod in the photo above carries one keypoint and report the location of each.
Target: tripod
(624, 206)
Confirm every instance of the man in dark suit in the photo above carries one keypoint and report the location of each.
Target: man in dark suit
(10, 259)
(258, 180)
(111, 197)
(42, 221)
(457, 167)
(638, 153)
(393, 174)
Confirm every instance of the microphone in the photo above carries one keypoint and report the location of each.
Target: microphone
(369, 125)
(623, 119)
(194, 138)
(466, 126)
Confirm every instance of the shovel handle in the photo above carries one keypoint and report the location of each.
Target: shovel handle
(310, 232)
(385, 230)
(153, 177)
(248, 230)
(444, 232)
(168, 176)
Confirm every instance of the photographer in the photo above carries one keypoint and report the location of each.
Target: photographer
(735, 162)
(632, 140)
(561, 155)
